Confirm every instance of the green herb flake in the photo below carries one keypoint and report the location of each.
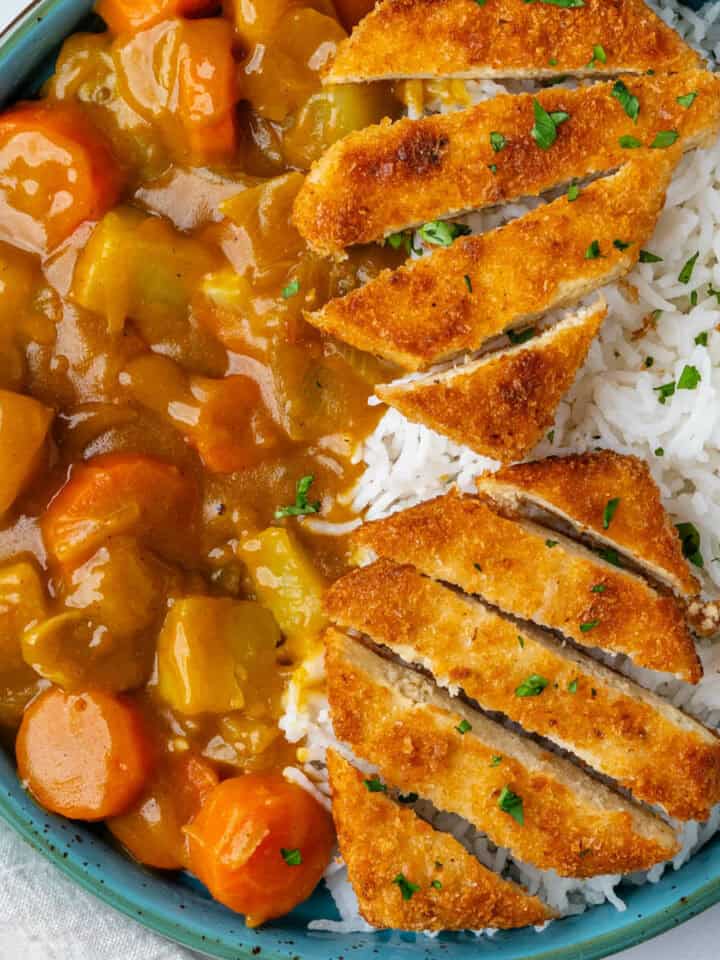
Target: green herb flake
(492, 167)
(664, 391)
(495, 761)
(690, 539)
(293, 858)
(521, 336)
(551, 436)
(687, 270)
(567, 4)
(598, 55)
(553, 62)
(693, 298)
(497, 141)
(531, 686)
(687, 99)
(593, 251)
(665, 138)
(441, 233)
(659, 452)
(521, 641)
(468, 283)
(573, 192)
(689, 378)
(610, 555)
(551, 543)
(649, 361)
(647, 257)
(481, 3)
(544, 131)
(629, 143)
(375, 785)
(609, 511)
(628, 101)
(436, 883)
(589, 625)
(621, 244)
(702, 339)
(463, 727)
(511, 803)
(598, 588)
(572, 686)
(407, 889)
(302, 506)
(291, 289)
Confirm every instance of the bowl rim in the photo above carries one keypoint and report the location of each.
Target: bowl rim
(45, 832)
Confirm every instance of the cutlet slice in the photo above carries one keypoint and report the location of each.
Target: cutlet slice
(502, 404)
(612, 724)
(540, 806)
(606, 498)
(517, 567)
(459, 296)
(507, 38)
(408, 876)
(389, 177)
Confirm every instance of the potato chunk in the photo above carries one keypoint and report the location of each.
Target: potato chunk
(24, 425)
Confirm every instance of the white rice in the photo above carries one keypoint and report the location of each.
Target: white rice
(613, 404)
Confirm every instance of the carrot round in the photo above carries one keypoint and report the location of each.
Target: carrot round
(260, 845)
(84, 756)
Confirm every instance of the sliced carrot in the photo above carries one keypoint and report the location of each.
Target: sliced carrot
(152, 830)
(129, 16)
(122, 493)
(260, 845)
(56, 171)
(85, 756)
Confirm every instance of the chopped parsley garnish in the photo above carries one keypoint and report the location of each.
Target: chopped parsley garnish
(436, 883)
(629, 143)
(511, 803)
(495, 761)
(551, 436)
(572, 686)
(407, 797)
(693, 298)
(690, 538)
(293, 858)
(628, 101)
(481, 3)
(402, 239)
(598, 55)
(302, 506)
(598, 588)
(564, 3)
(407, 889)
(701, 339)
(553, 62)
(521, 336)
(468, 283)
(531, 686)
(492, 167)
(544, 131)
(573, 192)
(659, 452)
(593, 251)
(291, 289)
(609, 511)
(647, 257)
(609, 555)
(649, 361)
(664, 391)
(621, 245)
(665, 138)
(375, 785)
(687, 99)
(441, 233)
(521, 642)
(497, 141)
(687, 270)
(589, 625)
(463, 727)
(689, 378)
(551, 543)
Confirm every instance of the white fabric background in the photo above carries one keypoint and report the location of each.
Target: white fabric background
(45, 917)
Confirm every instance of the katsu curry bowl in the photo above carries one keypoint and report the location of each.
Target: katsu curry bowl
(360, 468)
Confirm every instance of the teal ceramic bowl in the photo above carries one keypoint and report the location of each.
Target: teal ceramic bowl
(175, 905)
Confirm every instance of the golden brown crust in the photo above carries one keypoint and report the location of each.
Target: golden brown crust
(380, 840)
(506, 38)
(579, 487)
(462, 541)
(612, 724)
(387, 177)
(503, 404)
(396, 720)
(426, 311)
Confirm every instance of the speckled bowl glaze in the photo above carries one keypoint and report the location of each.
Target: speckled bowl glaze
(175, 905)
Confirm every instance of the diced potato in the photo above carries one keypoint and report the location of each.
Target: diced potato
(24, 424)
(22, 601)
(286, 583)
(215, 654)
(256, 20)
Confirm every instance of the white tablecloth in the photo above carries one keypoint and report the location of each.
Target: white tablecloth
(45, 917)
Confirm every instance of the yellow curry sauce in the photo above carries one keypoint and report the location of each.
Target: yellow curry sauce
(161, 397)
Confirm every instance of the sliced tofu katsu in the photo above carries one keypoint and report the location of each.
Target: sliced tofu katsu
(609, 722)
(543, 808)
(459, 296)
(606, 497)
(507, 38)
(502, 404)
(390, 177)
(408, 876)
(551, 580)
